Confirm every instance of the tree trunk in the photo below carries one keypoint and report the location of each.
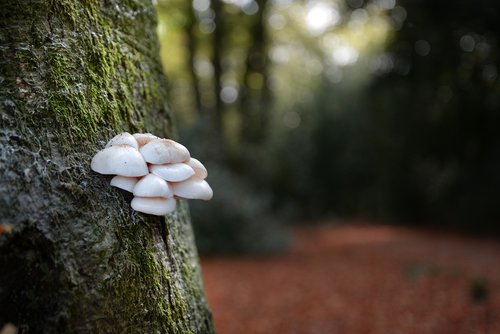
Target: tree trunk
(218, 36)
(79, 260)
(191, 50)
(256, 98)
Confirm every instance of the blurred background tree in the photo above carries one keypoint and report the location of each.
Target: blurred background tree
(310, 109)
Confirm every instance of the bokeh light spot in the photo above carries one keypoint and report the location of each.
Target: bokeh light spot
(229, 94)
(320, 17)
(467, 43)
(345, 55)
(422, 48)
(201, 5)
(291, 119)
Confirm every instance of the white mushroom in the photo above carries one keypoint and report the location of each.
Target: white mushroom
(144, 138)
(124, 182)
(164, 151)
(152, 186)
(124, 138)
(172, 172)
(121, 160)
(158, 206)
(199, 170)
(193, 189)
(155, 170)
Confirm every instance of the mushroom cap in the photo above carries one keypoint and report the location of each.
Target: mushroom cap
(193, 189)
(124, 182)
(158, 206)
(123, 138)
(152, 186)
(173, 172)
(164, 151)
(144, 138)
(121, 160)
(199, 170)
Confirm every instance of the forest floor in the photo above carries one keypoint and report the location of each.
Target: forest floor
(360, 279)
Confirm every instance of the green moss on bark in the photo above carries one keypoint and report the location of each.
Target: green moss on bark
(72, 74)
(101, 72)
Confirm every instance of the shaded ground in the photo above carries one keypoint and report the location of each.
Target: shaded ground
(360, 279)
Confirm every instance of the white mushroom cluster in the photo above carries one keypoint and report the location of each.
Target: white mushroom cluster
(155, 170)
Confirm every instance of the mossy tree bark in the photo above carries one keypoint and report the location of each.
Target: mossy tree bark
(79, 260)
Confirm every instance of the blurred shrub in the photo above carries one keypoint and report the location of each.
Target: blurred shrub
(237, 218)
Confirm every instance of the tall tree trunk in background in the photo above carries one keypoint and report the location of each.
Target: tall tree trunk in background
(255, 97)
(218, 36)
(79, 260)
(191, 48)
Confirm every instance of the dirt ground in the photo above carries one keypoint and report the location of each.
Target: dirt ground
(360, 279)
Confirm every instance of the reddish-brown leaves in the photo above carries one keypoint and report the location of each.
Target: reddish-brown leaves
(360, 279)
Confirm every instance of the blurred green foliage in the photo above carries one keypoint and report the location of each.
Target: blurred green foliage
(427, 134)
(315, 108)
